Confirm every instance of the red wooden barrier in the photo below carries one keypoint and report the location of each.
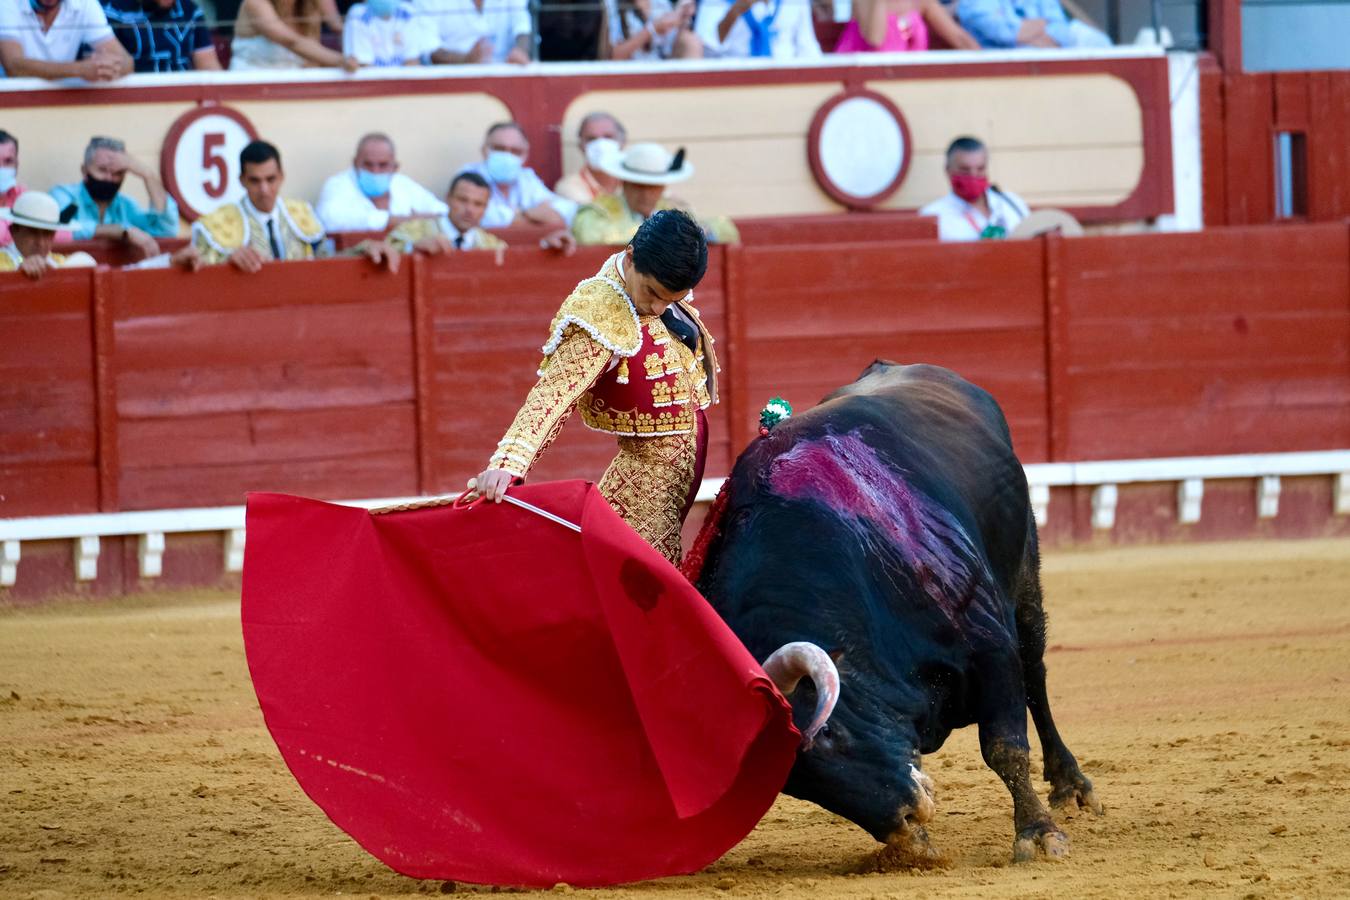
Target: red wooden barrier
(1231, 341)
(48, 419)
(838, 229)
(810, 320)
(133, 390)
(298, 379)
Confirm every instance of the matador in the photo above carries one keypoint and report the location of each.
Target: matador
(627, 348)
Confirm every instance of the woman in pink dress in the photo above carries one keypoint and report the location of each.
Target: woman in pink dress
(900, 25)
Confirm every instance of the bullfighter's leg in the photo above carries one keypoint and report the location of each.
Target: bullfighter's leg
(1003, 743)
(1070, 789)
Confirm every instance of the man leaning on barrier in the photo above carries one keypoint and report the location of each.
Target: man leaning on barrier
(264, 227)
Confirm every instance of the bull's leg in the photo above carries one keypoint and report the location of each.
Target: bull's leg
(1003, 743)
(1070, 789)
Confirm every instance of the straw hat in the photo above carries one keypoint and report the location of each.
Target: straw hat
(1046, 221)
(34, 209)
(648, 164)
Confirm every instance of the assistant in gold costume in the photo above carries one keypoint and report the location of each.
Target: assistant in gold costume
(628, 350)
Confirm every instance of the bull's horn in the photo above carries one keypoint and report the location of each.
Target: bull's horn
(789, 663)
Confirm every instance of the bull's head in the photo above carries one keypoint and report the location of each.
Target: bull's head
(787, 665)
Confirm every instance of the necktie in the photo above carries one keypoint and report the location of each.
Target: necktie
(459, 242)
(762, 31)
(272, 240)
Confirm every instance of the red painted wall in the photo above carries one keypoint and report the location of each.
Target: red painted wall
(136, 390)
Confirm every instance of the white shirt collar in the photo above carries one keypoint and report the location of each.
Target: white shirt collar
(259, 214)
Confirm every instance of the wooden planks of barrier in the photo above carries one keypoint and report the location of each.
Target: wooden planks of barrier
(1227, 341)
(154, 389)
(48, 424)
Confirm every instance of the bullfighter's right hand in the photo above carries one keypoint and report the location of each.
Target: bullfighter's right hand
(491, 484)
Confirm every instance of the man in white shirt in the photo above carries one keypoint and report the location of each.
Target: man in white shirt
(42, 38)
(777, 29)
(518, 194)
(974, 209)
(479, 31)
(372, 195)
(388, 33)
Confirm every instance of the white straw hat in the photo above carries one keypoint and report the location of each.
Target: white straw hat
(648, 164)
(34, 209)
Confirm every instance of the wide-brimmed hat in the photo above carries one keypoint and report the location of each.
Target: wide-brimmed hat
(648, 164)
(1047, 221)
(34, 209)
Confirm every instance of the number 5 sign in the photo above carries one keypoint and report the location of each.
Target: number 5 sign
(200, 160)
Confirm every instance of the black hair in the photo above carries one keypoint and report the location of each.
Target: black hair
(671, 247)
(472, 178)
(7, 138)
(964, 144)
(256, 152)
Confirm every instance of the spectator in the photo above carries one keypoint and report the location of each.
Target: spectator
(900, 25)
(570, 30)
(372, 195)
(97, 208)
(652, 30)
(33, 221)
(600, 133)
(10, 186)
(517, 192)
(974, 209)
(263, 227)
(163, 35)
(387, 33)
(1026, 23)
(781, 29)
(42, 39)
(282, 34)
(479, 31)
(458, 230)
(643, 171)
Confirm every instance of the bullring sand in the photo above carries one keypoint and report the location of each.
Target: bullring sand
(1205, 689)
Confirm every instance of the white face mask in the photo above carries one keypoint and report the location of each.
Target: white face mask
(599, 150)
(9, 176)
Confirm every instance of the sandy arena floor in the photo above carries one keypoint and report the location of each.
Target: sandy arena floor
(1206, 690)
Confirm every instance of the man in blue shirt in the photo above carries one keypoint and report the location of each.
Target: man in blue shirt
(1026, 23)
(162, 35)
(95, 207)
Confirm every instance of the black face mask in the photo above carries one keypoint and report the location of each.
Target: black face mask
(101, 191)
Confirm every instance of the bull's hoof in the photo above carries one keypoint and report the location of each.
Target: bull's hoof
(1071, 797)
(1044, 840)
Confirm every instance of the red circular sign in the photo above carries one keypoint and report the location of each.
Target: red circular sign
(199, 162)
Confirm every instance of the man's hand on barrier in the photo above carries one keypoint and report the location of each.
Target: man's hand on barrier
(560, 240)
(247, 260)
(187, 258)
(381, 253)
(34, 266)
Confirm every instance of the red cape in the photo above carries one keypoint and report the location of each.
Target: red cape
(483, 695)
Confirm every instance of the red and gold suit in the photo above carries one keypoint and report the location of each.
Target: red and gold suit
(630, 377)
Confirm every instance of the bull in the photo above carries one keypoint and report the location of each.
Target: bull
(891, 527)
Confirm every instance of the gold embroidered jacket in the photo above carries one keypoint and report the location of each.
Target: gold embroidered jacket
(230, 227)
(653, 390)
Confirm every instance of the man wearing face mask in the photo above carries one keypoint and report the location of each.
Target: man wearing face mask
(163, 35)
(518, 194)
(96, 208)
(373, 195)
(975, 209)
(599, 135)
(42, 39)
(628, 350)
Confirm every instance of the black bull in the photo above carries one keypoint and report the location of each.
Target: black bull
(891, 526)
